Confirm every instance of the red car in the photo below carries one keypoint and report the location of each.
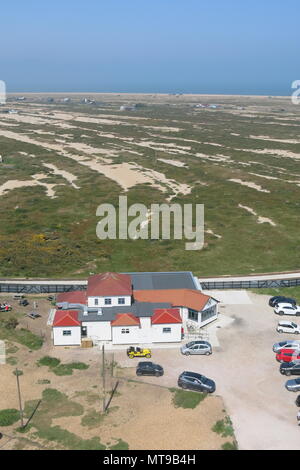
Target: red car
(288, 355)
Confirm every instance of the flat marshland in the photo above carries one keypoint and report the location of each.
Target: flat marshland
(61, 159)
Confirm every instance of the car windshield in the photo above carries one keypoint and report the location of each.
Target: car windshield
(294, 325)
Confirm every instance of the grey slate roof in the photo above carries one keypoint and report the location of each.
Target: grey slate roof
(139, 309)
(168, 280)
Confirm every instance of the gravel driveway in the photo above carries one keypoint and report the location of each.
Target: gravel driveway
(247, 375)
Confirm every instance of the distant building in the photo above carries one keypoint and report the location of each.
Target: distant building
(126, 107)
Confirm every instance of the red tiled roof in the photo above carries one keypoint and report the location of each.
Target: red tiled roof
(125, 319)
(66, 318)
(109, 284)
(166, 315)
(190, 298)
(73, 297)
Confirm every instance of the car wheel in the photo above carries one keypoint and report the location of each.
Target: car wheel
(139, 373)
(280, 331)
(148, 355)
(288, 372)
(281, 313)
(131, 357)
(187, 353)
(184, 386)
(296, 332)
(207, 353)
(157, 374)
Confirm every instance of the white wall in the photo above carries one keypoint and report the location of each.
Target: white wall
(114, 301)
(133, 337)
(60, 340)
(159, 337)
(146, 330)
(98, 331)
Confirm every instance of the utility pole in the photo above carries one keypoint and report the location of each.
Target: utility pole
(19, 394)
(103, 377)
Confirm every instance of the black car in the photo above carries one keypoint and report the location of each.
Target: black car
(194, 381)
(280, 298)
(297, 400)
(290, 368)
(23, 302)
(149, 368)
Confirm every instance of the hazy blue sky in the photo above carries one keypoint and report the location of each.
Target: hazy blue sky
(196, 46)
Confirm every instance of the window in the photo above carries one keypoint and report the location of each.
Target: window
(166, 330)
(208, 313)
(96, 301)
(193, 315)
(107, 301)
(125, 330)
(67, 332)
(121, 301)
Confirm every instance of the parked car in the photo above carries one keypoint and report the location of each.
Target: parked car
(288, 327)
(197, 347)
(287, 309)
(18, 296)
(279, 299)
(287, 344)
(293, 385)
(23, 302)
(290, 368)
(297, 401)
(194, 381)
(138, 352)
(288, 355)
(149, 368)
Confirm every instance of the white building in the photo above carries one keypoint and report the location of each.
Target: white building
(132, 309)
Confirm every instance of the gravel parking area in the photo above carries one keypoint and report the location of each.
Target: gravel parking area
(247, 375)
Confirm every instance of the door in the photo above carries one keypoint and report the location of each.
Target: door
(84, 331)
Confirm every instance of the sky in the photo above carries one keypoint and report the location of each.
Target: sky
(150, 46)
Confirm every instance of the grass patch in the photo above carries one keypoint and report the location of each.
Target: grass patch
(286, 291)
(22, 336)
(48, 361)
(223, 427)
(61, 369)
(12, 361)
(187, 399)
(120, 445)
(9, 417)
(92, 419)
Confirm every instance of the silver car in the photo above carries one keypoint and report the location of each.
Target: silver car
(288, 344)
(293, 385)
(197, 347)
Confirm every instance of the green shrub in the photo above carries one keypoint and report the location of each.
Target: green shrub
(48, 361)
(224, 427)
(9, 417)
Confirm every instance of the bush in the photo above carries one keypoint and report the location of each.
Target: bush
(223, 427)
(9, 417)
(48, 361)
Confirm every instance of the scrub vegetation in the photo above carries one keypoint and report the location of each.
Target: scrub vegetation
(240, 160)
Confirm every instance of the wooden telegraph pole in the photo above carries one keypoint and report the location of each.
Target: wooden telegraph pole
(20, 400)
(103, 377)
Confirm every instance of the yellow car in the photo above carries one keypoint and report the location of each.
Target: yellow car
(138, 352)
